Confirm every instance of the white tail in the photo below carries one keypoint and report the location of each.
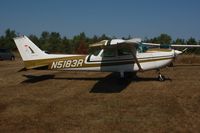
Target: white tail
(28, 50)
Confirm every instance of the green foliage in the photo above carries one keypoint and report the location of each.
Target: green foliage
(162, 39)
(79, 44)
(179, 41)
(66, 46)
(54, 42)
(34, 39)
(78, 40)
(192, 41)
(6, 41)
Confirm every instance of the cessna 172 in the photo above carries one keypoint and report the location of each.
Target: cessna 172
(115, 55)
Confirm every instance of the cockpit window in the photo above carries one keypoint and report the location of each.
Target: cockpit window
(109, 53)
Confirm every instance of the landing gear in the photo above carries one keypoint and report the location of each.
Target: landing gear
(160, 76)
(122, 74)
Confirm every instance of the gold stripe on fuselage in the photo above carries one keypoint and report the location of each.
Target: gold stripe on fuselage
(152, 50)
(81, 62)
(44, 62)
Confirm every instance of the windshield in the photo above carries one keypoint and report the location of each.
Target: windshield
(142, 48)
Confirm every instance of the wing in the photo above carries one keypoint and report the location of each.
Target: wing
(116, 42)
(99, 44)
(173, 45)
(185, 46)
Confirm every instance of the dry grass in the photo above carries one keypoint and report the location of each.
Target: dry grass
(44, 101)
(188, 59)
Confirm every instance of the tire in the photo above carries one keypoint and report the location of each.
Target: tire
(12, 58)
(161, 78)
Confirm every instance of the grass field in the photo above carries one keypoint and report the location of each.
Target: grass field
(45, 101)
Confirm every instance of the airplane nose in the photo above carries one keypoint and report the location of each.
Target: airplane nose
(177, 52)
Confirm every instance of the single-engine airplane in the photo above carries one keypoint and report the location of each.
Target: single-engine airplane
(116, 55)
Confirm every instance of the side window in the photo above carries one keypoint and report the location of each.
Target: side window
(124, 51)
(109, 53)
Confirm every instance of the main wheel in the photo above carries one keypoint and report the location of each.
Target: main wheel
(161, 78)
(12, 58)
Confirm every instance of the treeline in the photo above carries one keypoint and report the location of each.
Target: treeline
(79, 44)
(166, 39)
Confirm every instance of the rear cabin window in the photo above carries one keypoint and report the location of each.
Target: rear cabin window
(124, 51)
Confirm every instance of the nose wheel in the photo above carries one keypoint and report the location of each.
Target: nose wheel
(160, 76)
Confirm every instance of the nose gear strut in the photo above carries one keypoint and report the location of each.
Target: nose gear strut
(160, 76)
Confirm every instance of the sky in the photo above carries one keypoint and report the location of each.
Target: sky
(115, 18)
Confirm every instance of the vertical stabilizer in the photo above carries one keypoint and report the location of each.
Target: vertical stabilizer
(28, 50)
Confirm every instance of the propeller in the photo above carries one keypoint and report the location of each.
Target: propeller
(176, 53)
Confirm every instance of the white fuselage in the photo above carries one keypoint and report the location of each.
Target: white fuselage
(148, 61)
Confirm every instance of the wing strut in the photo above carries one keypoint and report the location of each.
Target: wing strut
(137, 62)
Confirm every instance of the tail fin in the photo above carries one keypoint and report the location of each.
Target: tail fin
(28, 50)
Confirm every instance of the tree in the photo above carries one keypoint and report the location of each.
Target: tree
(179, 41)
(82, 49)
(66, 46)
(192, 41)
(162, 39)
(54, 42)
(35, 40)
(50, 41)
(43, 41)
(104, 37)
(78, 40)
(7, 40)
(127, 38)
(94, 39)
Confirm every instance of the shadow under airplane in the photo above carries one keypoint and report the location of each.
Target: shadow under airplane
(109, 84)
(35, 79)
(113, 84)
